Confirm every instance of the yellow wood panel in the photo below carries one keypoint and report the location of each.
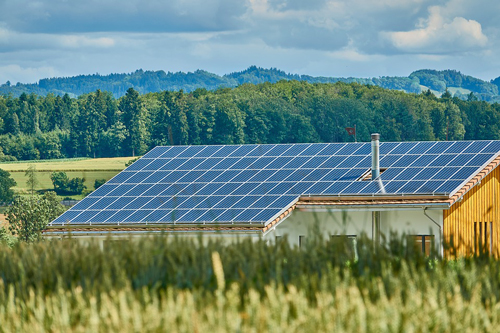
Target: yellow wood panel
(480, 205)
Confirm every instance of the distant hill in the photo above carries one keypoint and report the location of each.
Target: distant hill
(457, 83)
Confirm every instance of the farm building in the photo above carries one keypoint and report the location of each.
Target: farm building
(431, 191)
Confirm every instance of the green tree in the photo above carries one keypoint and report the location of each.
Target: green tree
(111, 142)
(6, 184)
(134, 119)
(29, 216)
(60, 181)
(98, 183)
(32, 179)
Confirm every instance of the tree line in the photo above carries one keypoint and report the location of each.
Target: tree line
(99, 125)
(156, 81)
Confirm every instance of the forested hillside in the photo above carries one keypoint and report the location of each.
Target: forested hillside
(458, 84)
(97, 124)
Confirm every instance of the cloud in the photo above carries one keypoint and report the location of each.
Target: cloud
(439, 35)
(11, 41)
(63, 16)
(16, 73)
(316, 37)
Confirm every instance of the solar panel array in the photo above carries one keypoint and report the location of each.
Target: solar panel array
(256, 183)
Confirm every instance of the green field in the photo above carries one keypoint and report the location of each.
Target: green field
(179, 285)
(90, 169)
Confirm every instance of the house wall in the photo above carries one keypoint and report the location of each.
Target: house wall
(354, 222)
(465, 222)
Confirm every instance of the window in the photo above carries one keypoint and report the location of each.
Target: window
(483, 237)
(349, 241)
(423, 242)
(302, 241)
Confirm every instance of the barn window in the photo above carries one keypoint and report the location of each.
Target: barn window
(302, 241)
(423, 242)
(483, 237)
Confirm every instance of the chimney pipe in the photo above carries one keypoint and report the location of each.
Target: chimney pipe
(375, 174)
(375, 156)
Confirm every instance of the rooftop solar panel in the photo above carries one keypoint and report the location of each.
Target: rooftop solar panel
(256, 183)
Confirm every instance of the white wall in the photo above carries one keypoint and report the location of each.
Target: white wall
(354, 222)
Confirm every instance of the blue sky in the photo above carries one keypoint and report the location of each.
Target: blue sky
(358, 38)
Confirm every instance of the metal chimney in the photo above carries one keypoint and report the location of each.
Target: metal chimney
(375, 156)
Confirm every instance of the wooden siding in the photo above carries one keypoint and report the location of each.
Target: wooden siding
(472, 224)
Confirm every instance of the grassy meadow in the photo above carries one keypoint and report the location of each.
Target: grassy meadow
(88, 168)
(181, 285)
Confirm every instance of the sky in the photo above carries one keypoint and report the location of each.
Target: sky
(341, 38)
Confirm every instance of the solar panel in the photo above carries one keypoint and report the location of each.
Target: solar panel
(256, 183)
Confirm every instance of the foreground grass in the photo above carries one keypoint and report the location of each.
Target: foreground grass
(179, 285)
(90, 169)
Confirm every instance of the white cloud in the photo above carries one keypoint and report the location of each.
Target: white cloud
(439, 35)
(16, 73)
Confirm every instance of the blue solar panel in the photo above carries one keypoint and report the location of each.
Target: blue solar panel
(278, 150)
(476, 147)
(331, 149)
(479, 160)
(421, 148)
(242, 151)
(138, 202)
(349, 149)
(403, 148)
(262, 175)
(261, 150)
(103, 202)
(84, 216)
(461, 160)
(298, 175)
(160, 215)
(255, 183)
(318, 188)
(174, 164)
(354, 188)
(457, 147)
(295, 150)
(121, 177)
(225, 151)
(299, 188)
(156, 152)
(67, 216)
(492, 148)
(174, 151)
(139, 164)
(264, 202)
(261, 163)
(209, 163)
(155, 164)
(208, 151)
(313, 150)
(102, 216)
(387, 147)
(190, 164)
(137, 216)
(424, 160)
(411, 187)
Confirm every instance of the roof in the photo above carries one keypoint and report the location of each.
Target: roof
(254, 185)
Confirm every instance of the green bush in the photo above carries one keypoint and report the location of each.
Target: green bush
(98, 183)
(64, 185)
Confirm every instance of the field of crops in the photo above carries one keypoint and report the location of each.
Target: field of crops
(180, 285)
(88, 168)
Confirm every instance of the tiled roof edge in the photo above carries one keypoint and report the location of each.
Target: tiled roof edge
(475, 180)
